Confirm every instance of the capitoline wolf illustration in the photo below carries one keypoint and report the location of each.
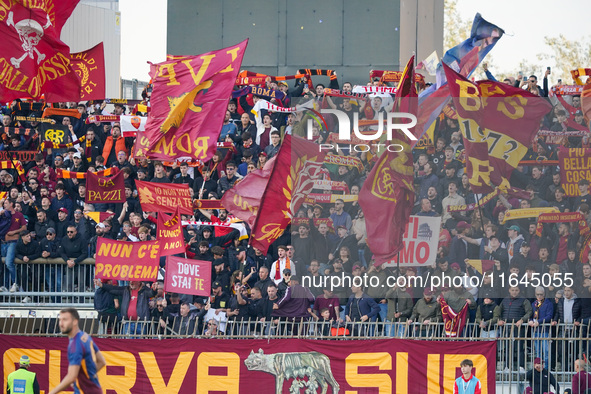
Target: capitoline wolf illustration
(313, 365)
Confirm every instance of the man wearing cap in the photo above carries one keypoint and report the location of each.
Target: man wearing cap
(221, 273)
(62, 224)
(584, 197)
(220, 297)
(515, 241)
(22, 380)
(426, 310)
(540, 378)
(53, 272)
(487, 314)
(27, 249)
(78, 165)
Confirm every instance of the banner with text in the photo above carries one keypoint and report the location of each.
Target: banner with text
(187, 276)
(170, 234)
(282, 365)
(420, 241)
(165, 197)
(104, 189)
(575, 164)
(122, 260)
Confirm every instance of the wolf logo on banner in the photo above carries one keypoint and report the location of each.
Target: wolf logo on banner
(312, 365)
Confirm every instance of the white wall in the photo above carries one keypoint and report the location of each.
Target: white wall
(90, 25)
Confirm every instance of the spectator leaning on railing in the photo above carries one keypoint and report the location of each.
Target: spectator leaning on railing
(135, 310)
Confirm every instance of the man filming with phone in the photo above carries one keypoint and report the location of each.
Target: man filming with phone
(531, 84)
(246, 265)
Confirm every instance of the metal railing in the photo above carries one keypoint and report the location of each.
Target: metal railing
(517, 346)
(50, 282)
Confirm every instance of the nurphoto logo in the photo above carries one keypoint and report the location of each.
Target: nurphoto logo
(394, 121)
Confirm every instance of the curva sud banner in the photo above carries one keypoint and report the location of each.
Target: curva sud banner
(246, 366)
(420, 241)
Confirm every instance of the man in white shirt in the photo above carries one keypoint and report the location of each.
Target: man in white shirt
(279, 265)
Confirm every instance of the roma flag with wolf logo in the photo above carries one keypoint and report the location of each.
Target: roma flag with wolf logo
(297, 165)
(387, 195)
(189, 101)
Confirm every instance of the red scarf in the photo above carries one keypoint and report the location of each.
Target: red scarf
(278, 267)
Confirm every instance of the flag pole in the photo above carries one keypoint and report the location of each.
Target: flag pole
(480, 210)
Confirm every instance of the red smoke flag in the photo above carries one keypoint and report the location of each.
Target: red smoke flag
(34, 61)
(170, 234)
(387, 196)
(189, 102)
(297, 165)
(90, 68)
(499, 123)
(104, 189)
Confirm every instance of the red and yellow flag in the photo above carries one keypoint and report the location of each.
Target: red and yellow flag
(498, 123)
(189, 102)
(387, 196)
(89, 65)
(297, 165)
(33, 60)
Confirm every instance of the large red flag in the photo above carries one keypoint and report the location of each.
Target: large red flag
(499, 123)
(34, 61)
(387, 196)
(90, 68)
(244, 199)
(189, 102)
(297, 165)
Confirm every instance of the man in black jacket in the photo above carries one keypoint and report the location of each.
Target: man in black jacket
(568, 313)
(28, 249)
(53, 272)
(73, 250)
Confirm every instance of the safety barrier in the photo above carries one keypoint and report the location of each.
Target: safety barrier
(517, 346)
(50, 282)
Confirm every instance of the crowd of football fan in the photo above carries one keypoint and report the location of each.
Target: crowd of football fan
(49, 220)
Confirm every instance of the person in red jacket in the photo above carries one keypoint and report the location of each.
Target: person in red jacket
(581, 379)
